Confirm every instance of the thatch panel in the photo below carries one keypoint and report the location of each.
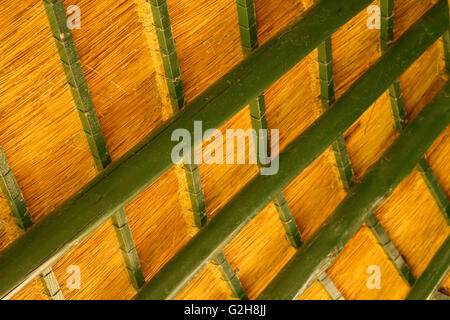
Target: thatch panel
(315, 292)
(102, 269)
(413, 221)
(438, 156)
(39, 129)
(259, 251)
(32, 291)
(370, 136)
(222, 181)
(355, 49)
(423, 79)
(407, 12)
(119, 71)
(207, 38)
(272, 16)
(349, 271)
(314, 194)
(158, 223)
(293, 102)
(207, 285)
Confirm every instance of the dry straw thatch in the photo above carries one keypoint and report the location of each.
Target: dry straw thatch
(44, 142)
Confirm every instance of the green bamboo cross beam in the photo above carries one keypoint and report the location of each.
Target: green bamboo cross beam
(327, 94)
(398, 107)
(230, 276)
(122, 181)
(86, 110)
(430, 280)
(249, 42)
(330, 287)
(172, 74)
(390, 249)
(23, 219)
(447, 50)
(395, 165)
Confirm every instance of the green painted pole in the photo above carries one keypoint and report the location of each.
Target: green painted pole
(433, 275)
(67, 225)
(395, 165)
(253, 198)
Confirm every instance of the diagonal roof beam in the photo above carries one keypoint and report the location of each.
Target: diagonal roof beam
(395, 165)
(249, 41)
(86, 110)
(122, 181)
(434, 274)
(296, 157)
(23, 220)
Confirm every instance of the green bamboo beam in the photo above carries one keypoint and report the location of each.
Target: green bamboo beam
(247, 25)
(330, 287)
(75, 78)
(387, 23)
(447, 50)
(394, 166)
(122, 181)
(326, 78)
(390, 249)
(166, 42)
(399, 112)
(22, 217)
(439, 296)
(91, 125)
(258, 193)
(435, 188)
(433, 276)
(249, 42)
(386, 38)
(172, 74)
(230, 276)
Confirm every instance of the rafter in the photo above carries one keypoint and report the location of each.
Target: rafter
(395, 165)
(86, 110)
(22, 217)
(249, 42)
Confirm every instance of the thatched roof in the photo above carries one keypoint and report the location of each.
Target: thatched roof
(350, 194)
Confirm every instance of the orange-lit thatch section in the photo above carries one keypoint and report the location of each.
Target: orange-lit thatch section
(92, 207)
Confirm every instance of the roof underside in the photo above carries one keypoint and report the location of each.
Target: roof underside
(70, 111)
